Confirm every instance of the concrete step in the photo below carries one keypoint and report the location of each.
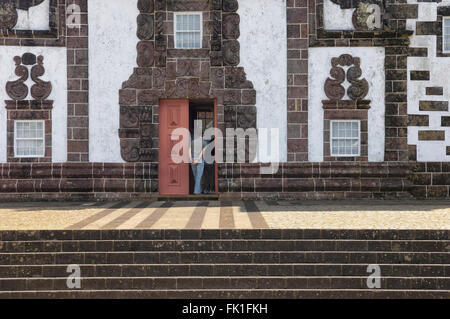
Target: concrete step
(235, 270)
(223, 234)
(225, 245)
(245, 257)
(229, 294)
(183, 283)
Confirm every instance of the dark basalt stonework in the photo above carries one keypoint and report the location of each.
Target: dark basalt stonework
(8, 11)
(164, 72)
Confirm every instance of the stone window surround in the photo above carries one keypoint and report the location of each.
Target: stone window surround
(29, 110)
(53, 37)
(346, 110)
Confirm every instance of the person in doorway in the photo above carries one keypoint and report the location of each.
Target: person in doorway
(196, 150)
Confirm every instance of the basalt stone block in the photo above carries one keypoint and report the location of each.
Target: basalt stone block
(146, 6)
(145, 54)
(231, 52)
(230, 29)
(431, 135)
(420, 75)
(249, 97)
(434, 90)
(438, 106)
(230, 5)
(418, 120)
(428, 28)
(246, 116)
(445, 121)
(145, 26)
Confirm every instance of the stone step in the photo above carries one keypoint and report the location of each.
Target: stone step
(225, 245)
(228, 294)
(214, 257)
(235, 270)
(181, 283)
(168, 234)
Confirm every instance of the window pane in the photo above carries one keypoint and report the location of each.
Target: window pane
(30, 147)
(446, 22)
(29, 138)
(345, 138)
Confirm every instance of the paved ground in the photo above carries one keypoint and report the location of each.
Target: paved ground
(226, 215)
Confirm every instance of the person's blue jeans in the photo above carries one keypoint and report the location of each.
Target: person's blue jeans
(197, 170)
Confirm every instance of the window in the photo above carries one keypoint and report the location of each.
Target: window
(446, 34)
(188, 30)
(29, 139)
(345, 138)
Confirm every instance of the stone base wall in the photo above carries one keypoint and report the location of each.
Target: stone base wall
(327, 180)
(430, 180)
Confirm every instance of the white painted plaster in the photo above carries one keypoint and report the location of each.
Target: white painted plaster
(372, 65)
(35, 18)
(428, 151)
(55, 61)
(335, 18)
(264, 57)
(112, 57)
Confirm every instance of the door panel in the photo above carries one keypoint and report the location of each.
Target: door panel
(173, 178)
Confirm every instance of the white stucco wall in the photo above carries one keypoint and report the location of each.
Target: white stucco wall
(55, 61)
(264, 57)
(372, 65)
(112, 57)
(428, 151)
(336, 18)
(36, 18)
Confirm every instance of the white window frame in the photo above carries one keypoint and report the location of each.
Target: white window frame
(37, 139)
(444, 34)
(175, 28)
(345, 138)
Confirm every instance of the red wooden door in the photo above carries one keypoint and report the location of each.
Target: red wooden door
(173, 178)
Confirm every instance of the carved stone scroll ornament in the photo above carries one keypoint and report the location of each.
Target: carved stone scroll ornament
(231, 26)
(145, 26)
(18, 90)
(230, 5)
(231, 52)
(146, 6)
(334, 89)
(359, 87)
(42, 89)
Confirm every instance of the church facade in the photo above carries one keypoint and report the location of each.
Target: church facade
(318, 99)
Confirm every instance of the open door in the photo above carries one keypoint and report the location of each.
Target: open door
(173, 178)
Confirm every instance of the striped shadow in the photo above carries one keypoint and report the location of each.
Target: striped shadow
(98, 216)
(197, 217)
(155, 216)
(126, 216)
(226, 215)
(254, 214)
